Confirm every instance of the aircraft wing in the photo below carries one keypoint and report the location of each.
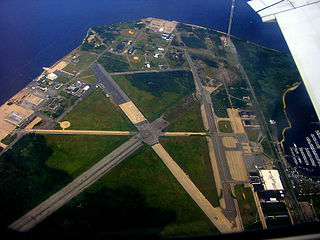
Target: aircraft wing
(299, 21)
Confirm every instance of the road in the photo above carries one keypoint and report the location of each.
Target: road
(221, 161)
(78, 185)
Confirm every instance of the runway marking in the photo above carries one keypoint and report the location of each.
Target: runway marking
(132, 112)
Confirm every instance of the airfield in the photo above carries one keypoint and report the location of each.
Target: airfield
(150, 79)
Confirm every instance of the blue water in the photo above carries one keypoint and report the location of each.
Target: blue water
(304, 122)
(37, 33)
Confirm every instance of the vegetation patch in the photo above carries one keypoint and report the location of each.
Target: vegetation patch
(25, 178)
(75, 154)
(225, 126)
(139, 197)
(253, 134)
(220, 103)
(9, 138)
(266, 147)
(192, 155)
(185, 116)
(270, 72)
(247, 207)
(114, 63)
(88, 76)
(154, 93)
(98, 113)
(82, 61)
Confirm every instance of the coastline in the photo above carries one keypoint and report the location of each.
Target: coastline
(296, 85)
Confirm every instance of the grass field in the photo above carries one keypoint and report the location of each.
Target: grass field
(75, 154)
(192, 155)
(225, 126)
(96, 112)
(266, 148)
(25, 178)
(88, 76)
(63, 79)
(154, 93)
(114, 63)
(220, 103)
(85, 59)
(247, 206)
(253, 134)
(138, 197)
(270, 72)
(190, 121)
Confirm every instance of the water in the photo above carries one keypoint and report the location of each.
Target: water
(37, 33)
(304, 124)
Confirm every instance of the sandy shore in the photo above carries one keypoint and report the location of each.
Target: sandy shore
(285, 112)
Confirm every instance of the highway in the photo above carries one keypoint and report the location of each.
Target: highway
(221, 161)
(78, 185)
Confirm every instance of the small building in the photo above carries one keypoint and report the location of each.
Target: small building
(52, 76)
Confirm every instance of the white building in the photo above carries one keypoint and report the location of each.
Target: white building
(52, 76)
(271, 180)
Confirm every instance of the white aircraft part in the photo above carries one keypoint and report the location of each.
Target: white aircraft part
(299, 21)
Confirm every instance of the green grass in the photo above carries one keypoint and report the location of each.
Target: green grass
(25, 178)
(114, 63)
(266, 148)
(220, 103)
(190, 121)
(88, 76)
(98, 113)
(192, 155)
(252, 134)
(154, 93)
(225, 126)
(63, 79)
(271, 73)
(85, 59)
(9, 138)
(139, 197)
(77, 153)
(247, 206)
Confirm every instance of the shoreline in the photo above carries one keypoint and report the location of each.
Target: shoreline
(295, 86)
